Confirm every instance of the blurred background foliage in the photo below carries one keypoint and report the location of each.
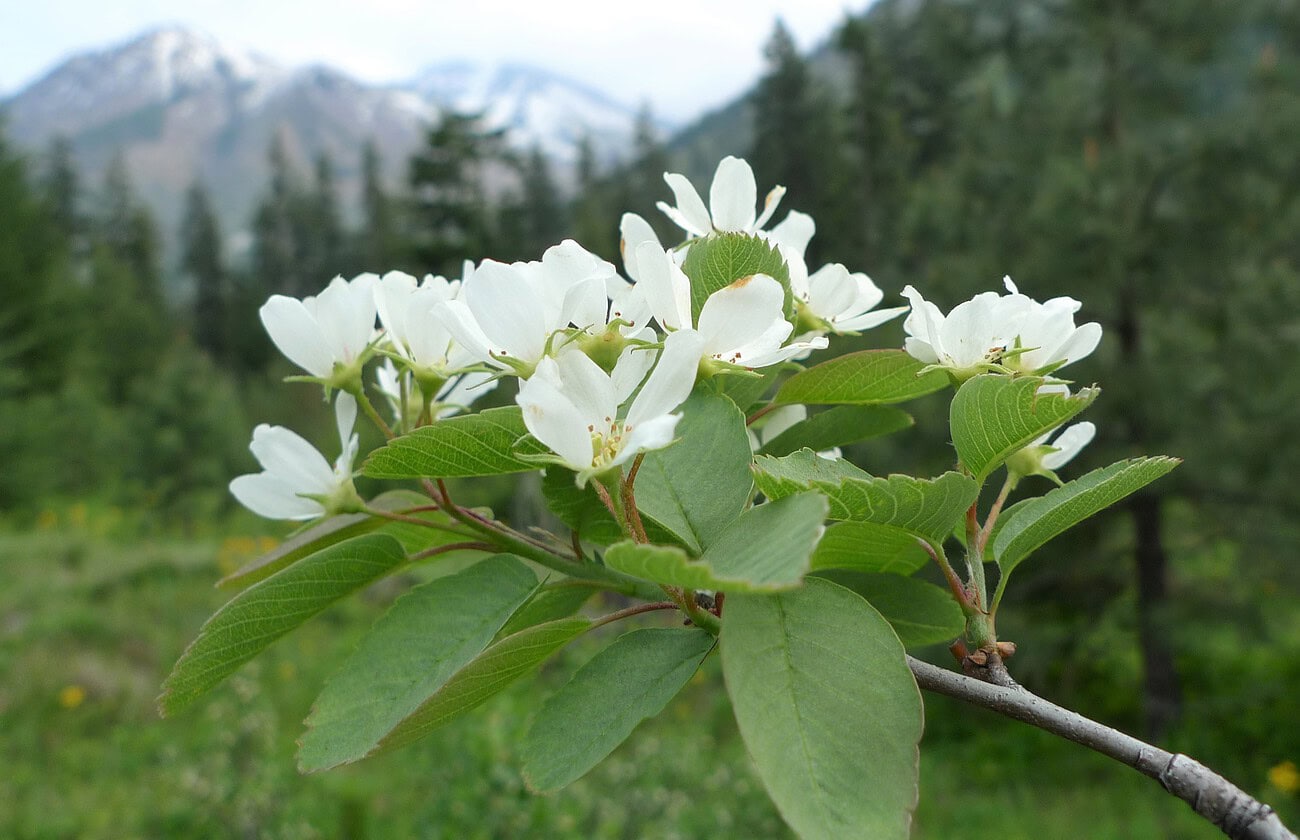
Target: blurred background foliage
(1140, 156)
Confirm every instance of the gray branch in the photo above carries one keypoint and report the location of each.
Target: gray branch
(1236, 813)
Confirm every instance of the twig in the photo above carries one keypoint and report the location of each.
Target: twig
(1239, 815)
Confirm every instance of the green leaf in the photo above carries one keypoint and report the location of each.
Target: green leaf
(631, 680)
(264, 612)
(827, 707)
(428, 635)
(869, 547)
(839, 426)
(785, 476)
(868, 377)
(548, 604)
(697, 486)
(1028, 525)
(769, 545)
(746, 391)
(716, 262)
(487, 675)
(993, 416)
(662, 564)
(925, 507)
(487, 443)
(920, 612)
(765, 550)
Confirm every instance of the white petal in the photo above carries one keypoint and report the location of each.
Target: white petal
(770, 203)
(586, 306)
(920, 350)
(831, 291)
(1069, 444)
(971, 330)
(630, 370)
(553, 419)
(508, 310)
(692, 216)
(268, 495)
(392, 300)
(1080, 344)
(869, 320)
(286, 455)
(776, 422)
(295, 332)
(741, 313)
(672, 379)
(345, 416)
(633, 231)
(588, 387)
(655, 433)
(666, 288)
(346, 314)
(459, 321)
(794, 232)
(732, 195)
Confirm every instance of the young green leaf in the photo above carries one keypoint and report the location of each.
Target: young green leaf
(697, 486)
(1027, 526)
(487, 675)
(868, 377)
(993, 416)
(487, 443)
(920, 612)
(631, 680)
(827, 707)
(428, 635)
(718, 261)
(925, 507)
(840, 426)
(765, 550)
(785, 476)
(267, 610)
(869, 547)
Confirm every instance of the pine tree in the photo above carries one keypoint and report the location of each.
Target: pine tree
(202, 261)
(452, 216)
(276, 266)
(379, 248)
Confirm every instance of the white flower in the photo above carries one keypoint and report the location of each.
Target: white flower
(771, 425)
(328, 330)
(1049, 333)
(731, 198)
(296, 481)
(414, 330)
(1042, 458)
(741, 324)
(572, 406)
(507, 314)
(974, 335)
(845, 301)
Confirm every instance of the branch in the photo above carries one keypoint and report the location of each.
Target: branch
(1236, 813)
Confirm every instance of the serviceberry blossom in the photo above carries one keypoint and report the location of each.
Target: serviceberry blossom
(574, 407)
(968, 340)
(1048, 336)
(454, 396)
(296, 481)
(731, 201)
(508, 315)
(415, 332)
(742, 324)
(325, 335)
(1043, 458)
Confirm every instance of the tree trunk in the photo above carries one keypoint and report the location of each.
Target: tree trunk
(1162, 696)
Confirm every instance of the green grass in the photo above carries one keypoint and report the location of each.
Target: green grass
(83, 615)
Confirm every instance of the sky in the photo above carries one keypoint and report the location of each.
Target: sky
(681, 57)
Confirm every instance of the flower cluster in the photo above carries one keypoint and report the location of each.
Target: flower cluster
(604, 359)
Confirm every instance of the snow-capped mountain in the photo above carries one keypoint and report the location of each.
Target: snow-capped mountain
(536, 107)
(179, 105)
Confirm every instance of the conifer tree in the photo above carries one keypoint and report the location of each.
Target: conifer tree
(202, 261)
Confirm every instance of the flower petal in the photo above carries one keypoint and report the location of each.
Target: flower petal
(670, 383)
(666, 289)
(655, 433)
(732, 195)
(690, 214)
(270, 496)
(1069, 443)
(741, 313)
(286, 455)
(552, 417)
(296, 334)
(633, 230)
